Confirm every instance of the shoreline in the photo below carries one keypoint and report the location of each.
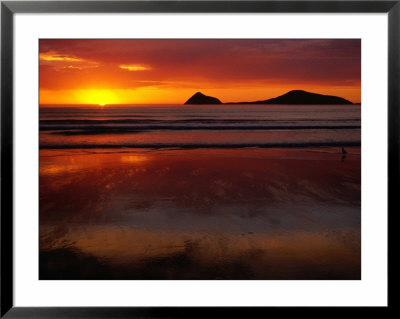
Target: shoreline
(203, 146)
(350, 149)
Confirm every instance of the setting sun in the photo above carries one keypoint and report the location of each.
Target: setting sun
(100, 97)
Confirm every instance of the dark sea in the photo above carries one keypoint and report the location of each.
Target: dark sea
(200, 126)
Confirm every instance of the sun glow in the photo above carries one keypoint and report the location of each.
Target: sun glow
(159, 71)
(99, 97)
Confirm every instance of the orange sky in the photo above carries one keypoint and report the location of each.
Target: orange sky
(170, 71)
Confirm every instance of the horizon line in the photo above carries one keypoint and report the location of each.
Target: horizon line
(198, 92)
(166, 104)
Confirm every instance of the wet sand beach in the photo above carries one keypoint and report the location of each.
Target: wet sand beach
(275, 213)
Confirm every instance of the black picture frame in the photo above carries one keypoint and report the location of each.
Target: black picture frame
(9, 8)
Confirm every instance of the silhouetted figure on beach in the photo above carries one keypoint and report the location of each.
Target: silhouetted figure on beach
(343, 151)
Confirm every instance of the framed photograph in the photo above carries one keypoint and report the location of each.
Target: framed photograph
(194, 158)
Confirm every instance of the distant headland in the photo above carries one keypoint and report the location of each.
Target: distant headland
(291, 97)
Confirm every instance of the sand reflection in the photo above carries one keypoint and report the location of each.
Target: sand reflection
(200, 214)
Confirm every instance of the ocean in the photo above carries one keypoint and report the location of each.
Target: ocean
(183, 126)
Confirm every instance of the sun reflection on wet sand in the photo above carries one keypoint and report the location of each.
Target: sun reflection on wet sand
(134, 158)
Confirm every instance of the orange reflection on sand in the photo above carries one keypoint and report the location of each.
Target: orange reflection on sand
(201, 214)
(122, 244)
(263, 255)
(134, 158)
(57, 169)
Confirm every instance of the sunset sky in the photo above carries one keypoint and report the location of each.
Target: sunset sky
(105, 72)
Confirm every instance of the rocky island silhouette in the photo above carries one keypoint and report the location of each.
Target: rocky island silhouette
(291, 97)
(200, 98)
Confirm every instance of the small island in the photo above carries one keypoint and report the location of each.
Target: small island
(291, 97)
(200, 98)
